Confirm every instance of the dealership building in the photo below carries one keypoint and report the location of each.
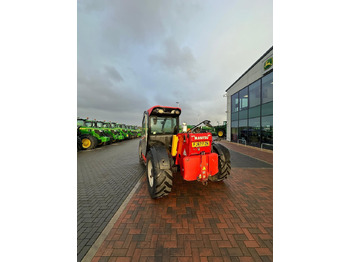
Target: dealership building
(250, 105)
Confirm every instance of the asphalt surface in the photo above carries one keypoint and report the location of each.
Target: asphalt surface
(243, 161)
(106, 176)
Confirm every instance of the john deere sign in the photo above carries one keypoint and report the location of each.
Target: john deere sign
(268, 63)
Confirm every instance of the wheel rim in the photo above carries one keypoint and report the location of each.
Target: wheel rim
(149, 173)
(86, 143)
(220, 133)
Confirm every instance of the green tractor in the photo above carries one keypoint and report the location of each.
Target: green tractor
(138, 131)
(221, 130)
(202, 129)
(91, 136)
(114, 132)
(126, 133)
(132, 130)
(122, 132)
(98, 124)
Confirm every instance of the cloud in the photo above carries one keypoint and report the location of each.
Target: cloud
(175, 58)
(113, 73)
(135, 54)
(105, 91)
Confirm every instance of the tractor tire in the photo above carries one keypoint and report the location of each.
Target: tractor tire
(224, 163)
(160, 181)
(110, 140)
(79, 143)
(88, 142)
(142, 162)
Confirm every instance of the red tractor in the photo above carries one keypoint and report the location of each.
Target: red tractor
(164, 151)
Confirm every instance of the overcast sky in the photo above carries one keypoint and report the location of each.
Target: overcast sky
(136, 54)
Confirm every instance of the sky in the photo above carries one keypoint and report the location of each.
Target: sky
(132, 55)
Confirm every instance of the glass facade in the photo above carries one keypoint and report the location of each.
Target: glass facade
(252, 112)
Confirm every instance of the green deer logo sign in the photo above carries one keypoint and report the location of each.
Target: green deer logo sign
(268, 63)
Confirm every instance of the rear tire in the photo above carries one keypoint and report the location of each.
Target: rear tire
(160, 181)
(224, 163)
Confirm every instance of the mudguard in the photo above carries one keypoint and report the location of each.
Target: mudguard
(161, 157)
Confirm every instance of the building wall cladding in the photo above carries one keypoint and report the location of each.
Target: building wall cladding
(255, 72)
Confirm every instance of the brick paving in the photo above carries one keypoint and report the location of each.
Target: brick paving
(105, 177)
(225, 221)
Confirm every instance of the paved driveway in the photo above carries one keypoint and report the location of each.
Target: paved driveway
(224, 221)
(106, 175)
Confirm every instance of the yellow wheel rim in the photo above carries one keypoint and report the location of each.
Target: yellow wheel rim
(86, 143)
(220, 133)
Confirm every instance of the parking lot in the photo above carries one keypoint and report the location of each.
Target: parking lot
(224, 221)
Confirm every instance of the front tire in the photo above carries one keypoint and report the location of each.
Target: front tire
(79, 143)
(160, 181)
(88, 142)
(142, 162)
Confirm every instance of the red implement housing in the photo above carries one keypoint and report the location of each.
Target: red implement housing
(195, 157)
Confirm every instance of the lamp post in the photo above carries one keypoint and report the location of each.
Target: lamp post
(178, 104)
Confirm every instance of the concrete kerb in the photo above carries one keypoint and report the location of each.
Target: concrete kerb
(92, 251)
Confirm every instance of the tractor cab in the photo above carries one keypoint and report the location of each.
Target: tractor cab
(159, 124)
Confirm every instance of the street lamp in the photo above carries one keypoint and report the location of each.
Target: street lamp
(178, 104)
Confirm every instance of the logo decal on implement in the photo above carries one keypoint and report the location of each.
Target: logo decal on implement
(201, 137)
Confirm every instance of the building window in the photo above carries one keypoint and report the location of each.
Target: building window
(243, 129)
(267, 88)
(243, 114)
(254, 112)
(243, 98)
(234, 103)
(254, 131)
(234, 131)
(267, 109)
(235, 116)
(267, 129)
(254, 94)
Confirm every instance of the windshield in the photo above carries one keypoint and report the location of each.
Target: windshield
(113, 125)
(88, 124)
(99, 124)
(162, 125)
(105, 125)
(81, 123)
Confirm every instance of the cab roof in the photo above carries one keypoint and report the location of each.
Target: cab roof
(164, 110)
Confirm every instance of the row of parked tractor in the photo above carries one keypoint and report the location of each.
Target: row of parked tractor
(94, 133)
